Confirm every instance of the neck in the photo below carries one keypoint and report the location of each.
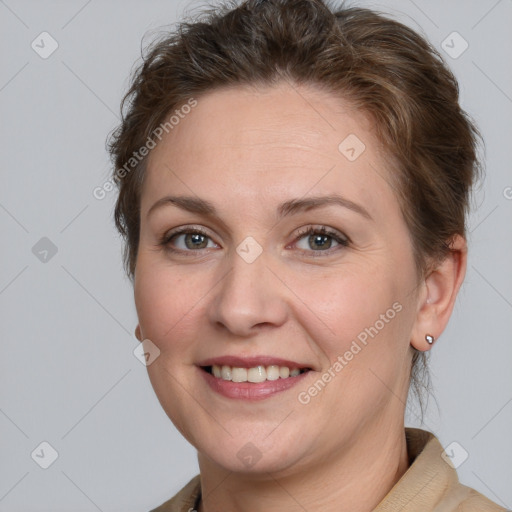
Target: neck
(354, 481)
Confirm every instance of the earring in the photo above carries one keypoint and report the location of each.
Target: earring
(429, 338)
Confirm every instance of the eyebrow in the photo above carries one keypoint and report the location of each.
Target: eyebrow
(291, 207)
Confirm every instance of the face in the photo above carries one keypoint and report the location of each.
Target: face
(241, 282)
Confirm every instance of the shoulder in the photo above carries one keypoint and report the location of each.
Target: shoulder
(473, 501)
(185, 500)
(431, 482)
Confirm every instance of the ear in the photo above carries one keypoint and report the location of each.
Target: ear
(138, 334)
(438, 293)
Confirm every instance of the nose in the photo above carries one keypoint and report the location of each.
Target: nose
(250, 297)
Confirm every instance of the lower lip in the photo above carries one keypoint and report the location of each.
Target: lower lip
(250, 390)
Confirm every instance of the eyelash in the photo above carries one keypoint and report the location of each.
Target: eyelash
(343, 241)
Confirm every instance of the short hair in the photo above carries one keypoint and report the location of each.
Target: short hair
(380, 66)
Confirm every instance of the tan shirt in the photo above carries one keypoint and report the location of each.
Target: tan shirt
(429, 485)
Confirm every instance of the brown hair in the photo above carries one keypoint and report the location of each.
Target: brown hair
(381, 66)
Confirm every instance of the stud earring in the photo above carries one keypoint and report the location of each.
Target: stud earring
(430, 339)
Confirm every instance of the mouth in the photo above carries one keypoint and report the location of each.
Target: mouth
(254, 377)
(254, 374)
(254, 383)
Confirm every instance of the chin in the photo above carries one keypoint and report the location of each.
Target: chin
(246, 454)
(249, 460)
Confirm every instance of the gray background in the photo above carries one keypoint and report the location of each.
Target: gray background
(68, 373)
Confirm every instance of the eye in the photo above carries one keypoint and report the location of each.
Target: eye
(186, 240)
(321, 240)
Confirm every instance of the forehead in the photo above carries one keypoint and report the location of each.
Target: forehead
(282, 140)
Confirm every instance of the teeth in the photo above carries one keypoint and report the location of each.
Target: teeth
(238, 374)
(256, 374)
(272, 372)
(284, 372)
(225, 372)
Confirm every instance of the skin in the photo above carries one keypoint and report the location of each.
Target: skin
(247, 150)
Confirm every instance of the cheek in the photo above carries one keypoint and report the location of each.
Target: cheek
(346, 301)
(166, 301)
(366, 343)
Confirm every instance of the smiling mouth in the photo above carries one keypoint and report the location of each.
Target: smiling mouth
(255, 374)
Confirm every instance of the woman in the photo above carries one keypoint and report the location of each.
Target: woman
(293, 185)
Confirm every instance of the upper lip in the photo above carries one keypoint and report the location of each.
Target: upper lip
(251, 362)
